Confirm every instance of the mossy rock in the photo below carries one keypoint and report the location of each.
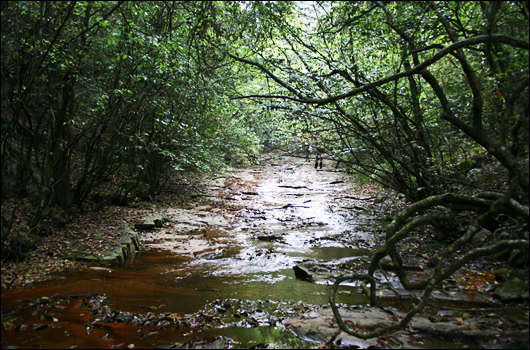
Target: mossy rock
(128, 245)
(151, 223)
(114, 255)
(512, 289)
(140, 189)
(505, 273)
(503, 255)
(135, 238)
(517, 258)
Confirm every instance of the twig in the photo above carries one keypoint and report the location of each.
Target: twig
(359, 199)
(40, 302)
(288, 206)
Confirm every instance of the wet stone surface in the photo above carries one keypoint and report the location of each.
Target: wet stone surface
(252, 268)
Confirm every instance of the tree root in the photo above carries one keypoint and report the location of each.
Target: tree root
(488, 204)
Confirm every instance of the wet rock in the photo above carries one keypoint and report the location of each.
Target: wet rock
(311, 271)
(152, 222)
(269, 238)
(114, 256)
(128, 246)
(504, 274)
(481, 237)
(189, 219)
(324, 329)
(135, 238)
(512, 289)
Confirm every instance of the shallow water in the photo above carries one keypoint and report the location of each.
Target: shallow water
(276, 216)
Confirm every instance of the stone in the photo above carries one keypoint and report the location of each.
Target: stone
(145, 226)
(311, 271)
(481, 237)
(504, 274)
(128, 245)
(113, 257)
(151, 223)
(512, 289)
(269, 238)
(379, 200)
(135, 238)
(517, 258)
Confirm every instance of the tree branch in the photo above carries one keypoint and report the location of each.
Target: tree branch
(415, 70)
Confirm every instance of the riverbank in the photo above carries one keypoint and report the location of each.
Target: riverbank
(92, 231)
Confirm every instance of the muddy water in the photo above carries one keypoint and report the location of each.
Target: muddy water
(267, 219)
(279, 214)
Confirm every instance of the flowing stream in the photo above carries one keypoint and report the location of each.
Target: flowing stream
(261, 222)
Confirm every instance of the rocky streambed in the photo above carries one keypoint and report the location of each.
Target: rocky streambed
(252, 268)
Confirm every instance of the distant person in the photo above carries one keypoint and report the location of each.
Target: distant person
(308, 150)
(339, 158)
(320, 154)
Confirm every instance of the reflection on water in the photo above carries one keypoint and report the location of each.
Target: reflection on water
(283, 215)
(270, 231)
(299, 220)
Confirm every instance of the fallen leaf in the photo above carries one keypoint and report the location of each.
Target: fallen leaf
(8, 326)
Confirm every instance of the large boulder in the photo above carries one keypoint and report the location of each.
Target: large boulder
(513, 289)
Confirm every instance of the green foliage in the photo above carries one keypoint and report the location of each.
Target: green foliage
(124, 91)
(395, 132)
(94, 91)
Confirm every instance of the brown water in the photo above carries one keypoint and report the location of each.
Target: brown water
(300, 209)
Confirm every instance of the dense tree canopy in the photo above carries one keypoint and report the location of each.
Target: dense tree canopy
(97, 90)
(416, 96)
(399, 88)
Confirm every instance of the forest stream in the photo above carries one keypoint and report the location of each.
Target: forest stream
(222, 276)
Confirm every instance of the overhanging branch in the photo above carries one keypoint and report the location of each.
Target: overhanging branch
(415, 70)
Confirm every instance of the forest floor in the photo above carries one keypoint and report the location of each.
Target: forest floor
(83, 230)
